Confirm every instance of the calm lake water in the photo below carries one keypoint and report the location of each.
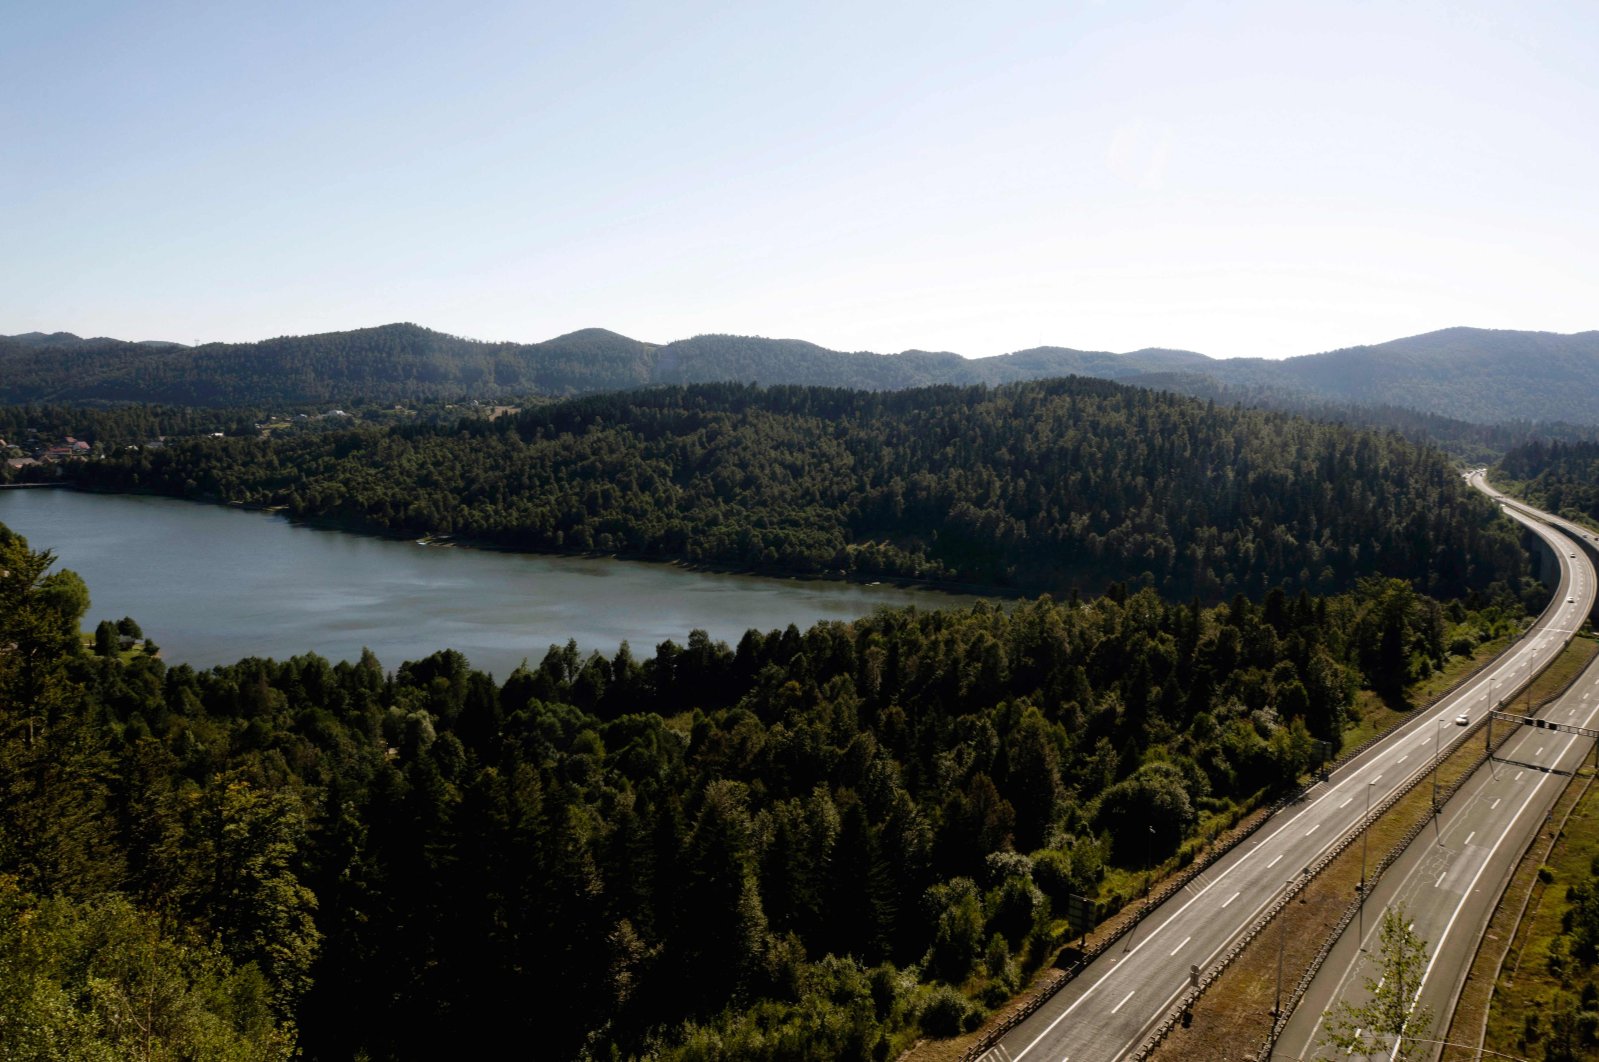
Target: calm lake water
(211, 585)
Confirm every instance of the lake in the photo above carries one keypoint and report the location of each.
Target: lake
(211, 585)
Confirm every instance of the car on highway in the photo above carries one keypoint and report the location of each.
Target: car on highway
(1463, 719)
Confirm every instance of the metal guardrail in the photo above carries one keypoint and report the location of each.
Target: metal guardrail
(1259, 818)
(1398, 849)
(1169, 888)
(1174, 1014)
(996, 1032)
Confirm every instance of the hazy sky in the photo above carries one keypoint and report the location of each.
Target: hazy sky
(1264, 178)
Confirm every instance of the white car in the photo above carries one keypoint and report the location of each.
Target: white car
(1462, 719)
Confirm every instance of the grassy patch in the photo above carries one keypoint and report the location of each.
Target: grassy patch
(1480, 991)
(1536, 962)
(1374, 715)
(1234, 1015)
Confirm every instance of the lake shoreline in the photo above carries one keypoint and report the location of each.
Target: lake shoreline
(973, 591)
(214, 583)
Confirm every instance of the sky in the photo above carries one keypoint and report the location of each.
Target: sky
(1254, 177)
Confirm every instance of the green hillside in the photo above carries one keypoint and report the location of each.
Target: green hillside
(1041, 485)
(1471, 375)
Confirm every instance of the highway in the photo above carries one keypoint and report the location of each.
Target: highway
(1451, 878)
(1110, 1007)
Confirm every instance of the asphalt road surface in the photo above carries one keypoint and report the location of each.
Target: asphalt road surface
(1112, 1005)
(1451, 878)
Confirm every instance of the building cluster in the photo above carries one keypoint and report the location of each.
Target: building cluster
(35, 449)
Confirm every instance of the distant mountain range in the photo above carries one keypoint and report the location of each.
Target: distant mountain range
(1477, 375)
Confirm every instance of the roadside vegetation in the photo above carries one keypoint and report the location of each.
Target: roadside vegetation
(1545, 1004)
(1236, 1008)
(826, 843)
(1559, 477)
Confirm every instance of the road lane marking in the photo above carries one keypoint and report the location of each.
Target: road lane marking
(1346, 803)
(1075, 1004)
(1448, 926)
(1273, 863)
(1440, 881)
(1519, 774)
(1230, 899)
(1539, 752)
(1179, 947)
(1124, 1000)
(1313, 829)
(1405, 757)
(1495, 803)
(1469, 836)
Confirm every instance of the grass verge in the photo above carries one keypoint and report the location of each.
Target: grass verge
(1304, 938)
(1507, 1001)
(1234, 1016)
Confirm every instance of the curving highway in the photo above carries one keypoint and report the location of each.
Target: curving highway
(1113, 1004)
(1451, 878)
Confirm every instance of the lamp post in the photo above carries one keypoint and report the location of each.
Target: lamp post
(1365, 834)
(1282, 941)
(1437, 738)
(1149, 859)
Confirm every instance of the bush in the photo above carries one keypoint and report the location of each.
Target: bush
(948, 1013)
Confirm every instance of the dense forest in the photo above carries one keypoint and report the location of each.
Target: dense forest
(394, 363)
(1048, 485)
(815, 844)
(1559, 477)
(1476, 375)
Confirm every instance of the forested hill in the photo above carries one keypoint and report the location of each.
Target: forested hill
(1044, 485)
(393, 363)
(820, 845)
(1559, 477)
(1482, 375)
(1469, 374)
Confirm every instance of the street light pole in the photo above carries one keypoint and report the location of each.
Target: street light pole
(1365, 834)
(1282, 941)
(1149, 859)
(1437, 733)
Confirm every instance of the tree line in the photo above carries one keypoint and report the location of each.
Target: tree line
(813, 844)
(1036, 486)
(1560, 477)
